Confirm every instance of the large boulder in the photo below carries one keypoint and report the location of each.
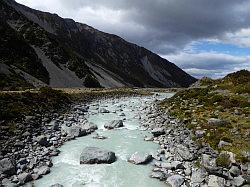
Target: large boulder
(56, 185)
(158, 131)
(139, 158)
(43, 170)
(73, 131)
(114, 124)
(89, 127)
(94, 155)
(7, 167)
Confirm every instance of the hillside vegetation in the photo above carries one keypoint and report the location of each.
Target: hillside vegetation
(217, 111)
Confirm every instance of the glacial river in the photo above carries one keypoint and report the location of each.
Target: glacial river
(67, 170)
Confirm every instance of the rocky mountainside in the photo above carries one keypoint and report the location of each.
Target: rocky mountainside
(39, 48)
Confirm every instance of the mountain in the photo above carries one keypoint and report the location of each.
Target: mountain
(39, 48)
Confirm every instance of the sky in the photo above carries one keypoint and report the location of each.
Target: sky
(203, 37)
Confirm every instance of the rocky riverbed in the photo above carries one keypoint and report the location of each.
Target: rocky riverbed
(179, 161)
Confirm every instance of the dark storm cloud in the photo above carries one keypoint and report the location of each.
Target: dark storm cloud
(171, 24)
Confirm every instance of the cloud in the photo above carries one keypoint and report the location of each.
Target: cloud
(163, 26)
(211, 64)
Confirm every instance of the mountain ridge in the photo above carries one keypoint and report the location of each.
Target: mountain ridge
(95, 57)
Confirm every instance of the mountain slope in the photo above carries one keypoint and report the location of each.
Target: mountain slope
(71, 54)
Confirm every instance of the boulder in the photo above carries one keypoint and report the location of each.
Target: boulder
(234, 171)
(42, 140)
(238, 181)
(43, 170)
(24, 178)
(7, 167)
(89, 127)
(114, 124)
(198, 177)
(176, 180)
(158, 175)
(94, 155)
(215, 181)
(158, 132)
(103, 110)
(184, 153)
(139, 158)
(224, 143)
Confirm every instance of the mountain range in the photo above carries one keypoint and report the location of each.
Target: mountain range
(39, 48)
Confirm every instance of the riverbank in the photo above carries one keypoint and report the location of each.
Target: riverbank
(31, 135)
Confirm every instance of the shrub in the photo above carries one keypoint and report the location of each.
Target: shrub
(223, 160)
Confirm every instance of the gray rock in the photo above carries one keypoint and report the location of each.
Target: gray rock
(238, 181)
(43, 170)
(184, 153)
(114, 124)
(139, 158)
(74, 131)
(103, 110)
(217, 122)
(158, 132)
(198, 177)
(234, 171)
(94, 155)
(223, 143)
(158, 175)
(175, 180)
(55, 125)
(24, 177)
(42, 140)
(89, 127)
(215, 181)
(7, 167)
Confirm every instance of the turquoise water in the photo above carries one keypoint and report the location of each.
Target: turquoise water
(124, 142)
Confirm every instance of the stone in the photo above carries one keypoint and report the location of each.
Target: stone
(200, 133)
(114, 124)
(42, 140)
(43, 170)
(184, 153)
(55, 125)
(139, 158)
(198, 176)
(89, 127)
(94, 155)
(99, 137)
(234, 171)
(215, 181)
(103, 110)
(224, 143)
(158, 132)
(24, 177)
(158, 175)
(7, 167)
(238, 181)
(217, 122)
(176, 180)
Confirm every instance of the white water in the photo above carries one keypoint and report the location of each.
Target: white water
(124, 142)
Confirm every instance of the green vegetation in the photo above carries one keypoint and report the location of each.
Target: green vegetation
(227, 99)
(223, 160)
